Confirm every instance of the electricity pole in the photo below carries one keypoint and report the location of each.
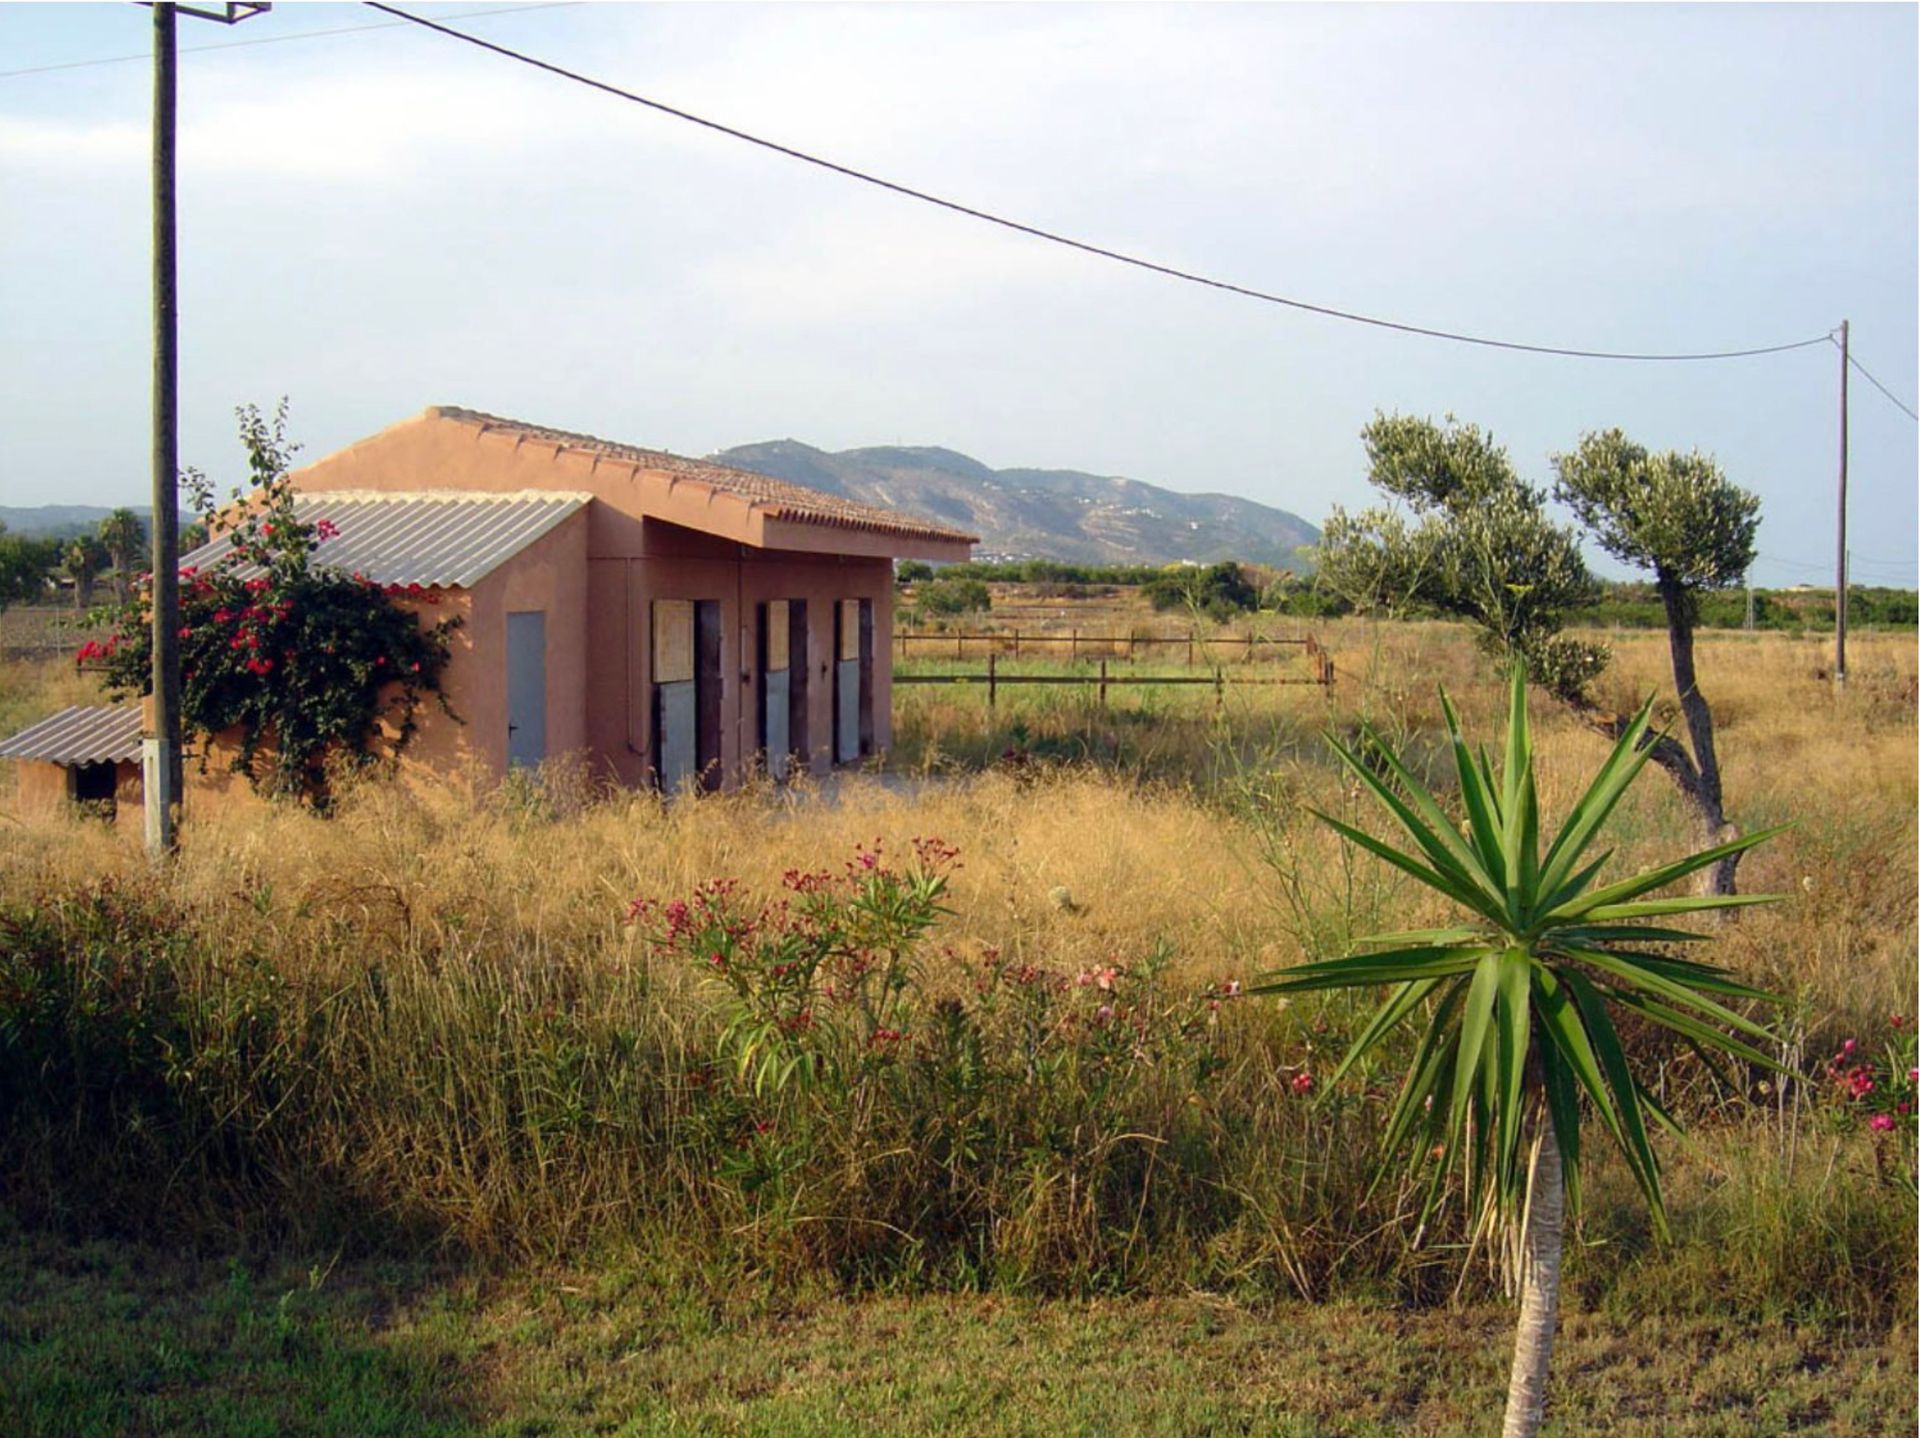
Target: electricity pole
(160, 746)
(1840, 549)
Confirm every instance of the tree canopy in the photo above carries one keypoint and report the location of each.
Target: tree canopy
(1674, 514)
(1472, 541)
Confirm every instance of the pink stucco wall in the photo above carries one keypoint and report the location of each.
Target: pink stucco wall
(642, 539)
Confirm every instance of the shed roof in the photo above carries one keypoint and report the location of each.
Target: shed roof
(448, 538)
(80, 735)
(775, 498)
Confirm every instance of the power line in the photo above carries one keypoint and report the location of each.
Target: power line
(1854, 562)
(1053, 237)
(279, 39)
(1882, 388)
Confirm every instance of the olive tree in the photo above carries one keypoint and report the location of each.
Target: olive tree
(1680, 517)
(1467, 538)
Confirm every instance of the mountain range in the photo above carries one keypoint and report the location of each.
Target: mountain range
(1040, 513)
(1063, 514)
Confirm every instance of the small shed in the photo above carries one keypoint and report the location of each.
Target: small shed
(87, 755)
(670, 621)
(693, 624)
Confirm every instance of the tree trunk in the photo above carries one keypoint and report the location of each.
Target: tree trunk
(1696, 774)
(1540, 1248)
(1718, 879)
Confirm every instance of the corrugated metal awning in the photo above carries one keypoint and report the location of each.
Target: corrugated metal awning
(438, 538)
(80, 735)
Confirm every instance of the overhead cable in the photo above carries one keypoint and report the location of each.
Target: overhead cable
(1054, 237)
(281, 39)
(1882, 388)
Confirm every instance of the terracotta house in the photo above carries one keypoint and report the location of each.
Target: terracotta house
(671, 620)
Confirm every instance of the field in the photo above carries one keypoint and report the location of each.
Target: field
(398, 1122)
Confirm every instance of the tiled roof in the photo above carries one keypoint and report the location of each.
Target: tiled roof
(80, 735)
(448, 537)
(775, 497)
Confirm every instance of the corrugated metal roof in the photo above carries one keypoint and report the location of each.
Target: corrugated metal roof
(80, 735)
(779, 498)
(448, 538)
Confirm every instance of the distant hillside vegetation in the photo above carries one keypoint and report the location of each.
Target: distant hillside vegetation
(59, 521)
(1041, 513)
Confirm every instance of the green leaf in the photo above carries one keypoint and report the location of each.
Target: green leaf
(1635, 974)
(1424, 1074)
(1626, 1095)
(1627, 933)
(1692, 904)
(1645, 883)
(1568, 1036)
(1475, 790)
(1425, 936)
(1513, 1010)
(1402, 1002)
(1707, 977)
(1430, 829)
(1474, 1023)
(1569, 888)
(1592, 809)
(1704, 1035)
(1361, 970)
(1460, 891)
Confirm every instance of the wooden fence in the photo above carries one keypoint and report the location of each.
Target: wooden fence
(1221, 681)
(1198, 649)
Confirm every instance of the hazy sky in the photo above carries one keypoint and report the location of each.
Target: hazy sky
(374, 222)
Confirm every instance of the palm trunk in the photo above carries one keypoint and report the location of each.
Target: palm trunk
(1540, 1249)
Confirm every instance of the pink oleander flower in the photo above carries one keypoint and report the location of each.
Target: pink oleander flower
(1881, 1123)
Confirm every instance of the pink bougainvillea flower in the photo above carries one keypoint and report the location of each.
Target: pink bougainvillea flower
(1881, 1123)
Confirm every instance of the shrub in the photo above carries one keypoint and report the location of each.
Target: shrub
(947, 597)
(305, 662)
(1219, 591)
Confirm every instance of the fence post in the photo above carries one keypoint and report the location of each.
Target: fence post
(1073, 654)
(1016, 644)
(1219, 686)
(992, 681)
(1249, 658)
(1103, 683)
(1189, 649)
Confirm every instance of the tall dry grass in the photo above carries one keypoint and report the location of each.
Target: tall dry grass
(425, 1018)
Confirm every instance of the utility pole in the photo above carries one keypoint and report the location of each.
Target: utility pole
(160, 745)
(1840, 549)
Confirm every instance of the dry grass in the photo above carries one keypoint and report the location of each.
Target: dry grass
(1083, 861)
(459, 1002)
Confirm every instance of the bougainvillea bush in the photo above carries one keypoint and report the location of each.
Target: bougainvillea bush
(305, 665)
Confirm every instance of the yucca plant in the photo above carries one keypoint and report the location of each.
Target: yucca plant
(1519, 1002)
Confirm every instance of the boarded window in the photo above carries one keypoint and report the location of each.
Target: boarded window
(853, 680)
(686, 693)
(776, 687)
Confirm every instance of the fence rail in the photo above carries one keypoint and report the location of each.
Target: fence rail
(1322, 677)
(997, 641)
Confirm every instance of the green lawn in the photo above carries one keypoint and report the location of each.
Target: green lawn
(105, 1338)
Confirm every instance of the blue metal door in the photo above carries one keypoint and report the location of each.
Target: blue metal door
(526, 689)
